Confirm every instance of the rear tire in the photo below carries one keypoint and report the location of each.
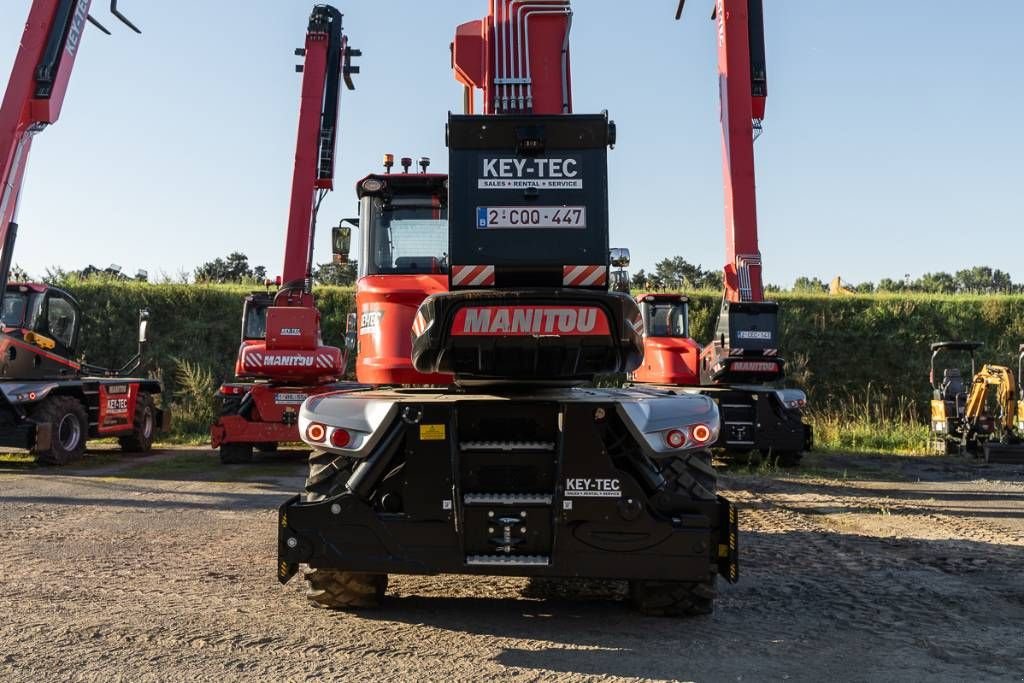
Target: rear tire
(236, 453)
(690, 476)
(339, 589)
(69, 429)
(143, 427)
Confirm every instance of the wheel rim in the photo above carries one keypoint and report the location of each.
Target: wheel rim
(147, 424)
(69, 432)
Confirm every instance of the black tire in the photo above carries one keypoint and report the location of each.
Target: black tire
(266, 447)
(143, 427)
(236, 453)
(69, 429)
(693, 476)
(339, 589)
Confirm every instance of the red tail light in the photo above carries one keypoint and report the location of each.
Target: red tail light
(700, 433)
(228, 390)
(675, 438)
(340, 438)
(316, 432)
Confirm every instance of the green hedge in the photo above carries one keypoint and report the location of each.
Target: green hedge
(836, 346)
(198, 324)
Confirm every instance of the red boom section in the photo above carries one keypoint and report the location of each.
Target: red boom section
(306, 180)
(739, 109)
(36, 89)
(518, 55)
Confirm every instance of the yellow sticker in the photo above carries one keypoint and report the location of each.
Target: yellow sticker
(432, 432)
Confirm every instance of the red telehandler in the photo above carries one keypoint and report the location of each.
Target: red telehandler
(282, 359)
(741, 365)
(50, 401)
(522, 467)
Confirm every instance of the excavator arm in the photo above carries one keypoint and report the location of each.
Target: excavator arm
(1006, 395)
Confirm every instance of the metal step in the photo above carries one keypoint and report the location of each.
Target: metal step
(507, 499)
(507, 446)
(509, 560)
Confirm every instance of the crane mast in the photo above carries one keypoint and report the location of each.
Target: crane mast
(327, 61)
(35, 96)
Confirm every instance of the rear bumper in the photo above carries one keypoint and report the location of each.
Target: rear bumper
(237, 429)
(25, 434)
(343, 532)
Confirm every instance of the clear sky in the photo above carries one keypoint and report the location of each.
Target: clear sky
(892, 140)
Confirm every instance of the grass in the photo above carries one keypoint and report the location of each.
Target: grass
(870, 424)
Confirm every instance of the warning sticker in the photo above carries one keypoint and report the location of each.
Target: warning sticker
(432, 432)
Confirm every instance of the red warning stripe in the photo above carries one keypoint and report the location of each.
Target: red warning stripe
(584, 276)
(473, 276)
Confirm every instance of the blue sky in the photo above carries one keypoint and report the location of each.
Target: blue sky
(891, 144)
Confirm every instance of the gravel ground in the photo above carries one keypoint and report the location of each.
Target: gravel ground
(162, 568)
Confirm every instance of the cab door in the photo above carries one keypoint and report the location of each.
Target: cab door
(59, 320)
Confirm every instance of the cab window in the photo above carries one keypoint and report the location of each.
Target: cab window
(61, 319)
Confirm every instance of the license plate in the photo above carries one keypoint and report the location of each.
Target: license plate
(289, 399)
(488, 217)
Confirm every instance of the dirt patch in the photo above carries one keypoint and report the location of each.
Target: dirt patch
(162, 568)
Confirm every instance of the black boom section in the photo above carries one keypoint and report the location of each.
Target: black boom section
(529, 196)
(531, 335)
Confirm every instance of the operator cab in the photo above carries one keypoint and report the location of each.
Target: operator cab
(254, 315)
(47, 320)
(403, 220)
(45, 312)
(665, 315)
(402, 259)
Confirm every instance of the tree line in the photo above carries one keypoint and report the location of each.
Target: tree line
(670, 274)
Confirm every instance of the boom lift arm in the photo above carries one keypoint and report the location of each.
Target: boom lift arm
(292, 349)
(327, 62)
(745, 347)
(35, 96)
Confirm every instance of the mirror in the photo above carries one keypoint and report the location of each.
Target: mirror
(341, 239)
(143, 324)
(619, 258)
(351, 331)
(620, 281)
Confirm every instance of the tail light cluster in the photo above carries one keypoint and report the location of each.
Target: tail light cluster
(694, 435)
(320, 433)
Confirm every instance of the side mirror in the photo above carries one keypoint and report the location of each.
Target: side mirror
(620, 281)
(351, 331)
(341, 240)
(619, 258)
(143, 325)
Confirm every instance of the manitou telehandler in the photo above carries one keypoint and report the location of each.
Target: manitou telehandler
(962, 421)
(521, 467)
(740, 368)
(50, 402)
(282, 359)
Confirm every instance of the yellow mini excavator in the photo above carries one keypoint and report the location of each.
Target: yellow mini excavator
(966, 420)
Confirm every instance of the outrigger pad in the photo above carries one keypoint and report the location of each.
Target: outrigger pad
(560, 335)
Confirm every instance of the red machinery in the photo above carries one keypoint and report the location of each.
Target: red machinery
(282, 359)
(403, 223)
(50, 401)
(516, 470)
(743, 354)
